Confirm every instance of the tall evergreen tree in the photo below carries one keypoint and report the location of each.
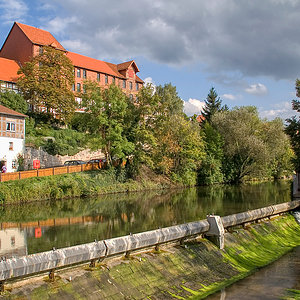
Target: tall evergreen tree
(213, 104)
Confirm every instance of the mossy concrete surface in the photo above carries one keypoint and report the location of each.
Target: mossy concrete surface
(189, 272)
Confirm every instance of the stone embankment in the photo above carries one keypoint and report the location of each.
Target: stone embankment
(194, 269)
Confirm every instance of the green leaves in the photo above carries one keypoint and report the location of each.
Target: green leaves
(46, 83)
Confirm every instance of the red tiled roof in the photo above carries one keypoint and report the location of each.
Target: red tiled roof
(126, 65)
(8, 70)
(8, 111)
(39, 36)
(85, 62)
(115, 69)
(138, 79)
(200, 118)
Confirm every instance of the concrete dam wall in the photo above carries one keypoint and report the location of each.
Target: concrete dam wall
(59, 258)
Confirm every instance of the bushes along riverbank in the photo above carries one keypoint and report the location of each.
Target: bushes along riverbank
(77, 185)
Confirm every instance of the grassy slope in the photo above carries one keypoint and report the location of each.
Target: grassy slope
(76, 185)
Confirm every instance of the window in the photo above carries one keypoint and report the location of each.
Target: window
(73, 87)
(130, 96)
(114, 80)
(106, 79)
(41, 50)
(98, 76)
(78, 87)
(84, 74)
(137, 86)
(11, 146)
(14, 164)
(10, 126)
(130, 85)
(84, 88)
(124, 84)
(78, 73)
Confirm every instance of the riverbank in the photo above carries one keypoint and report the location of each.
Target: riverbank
(193, 271)
(79, 185)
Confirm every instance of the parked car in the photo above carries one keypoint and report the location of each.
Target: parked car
(97, 161)
(74, 162)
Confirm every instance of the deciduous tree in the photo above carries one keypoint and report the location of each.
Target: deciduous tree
(46, 83)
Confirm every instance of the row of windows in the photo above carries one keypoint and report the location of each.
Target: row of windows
(84, 73)
(78, 86)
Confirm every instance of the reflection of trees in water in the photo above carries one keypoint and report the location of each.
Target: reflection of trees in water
(119, 214)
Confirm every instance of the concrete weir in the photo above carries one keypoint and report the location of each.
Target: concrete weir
(58, 258)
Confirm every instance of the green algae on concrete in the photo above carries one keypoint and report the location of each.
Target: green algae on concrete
(190, 272)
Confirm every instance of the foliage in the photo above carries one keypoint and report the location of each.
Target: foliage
(71, 185)
(106, 110)
(13, 101)
(46, 83)
(293, 128)
(210, 171)
(213, 104)
(252, 147)
(54, 140)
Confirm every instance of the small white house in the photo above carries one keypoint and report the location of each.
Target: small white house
(12, 138)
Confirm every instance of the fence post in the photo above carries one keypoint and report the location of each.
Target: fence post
(37, 172)
(68, 169)
(81, 168)
(19, 175)
(53, 171)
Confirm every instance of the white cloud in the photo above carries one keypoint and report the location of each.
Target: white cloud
(282, 110)
(76, 46)
(58, 25)
(257, 89)
(193, 106)
(13, 10)
(229, 97)
(149, 80)
(181, 33)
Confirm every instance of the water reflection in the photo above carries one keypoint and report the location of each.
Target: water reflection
(74, 221)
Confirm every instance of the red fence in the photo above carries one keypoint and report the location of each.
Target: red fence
(50, 171)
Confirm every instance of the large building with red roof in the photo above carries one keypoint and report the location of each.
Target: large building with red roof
(24, 42)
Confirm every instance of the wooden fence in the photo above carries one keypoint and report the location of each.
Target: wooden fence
(50, 171)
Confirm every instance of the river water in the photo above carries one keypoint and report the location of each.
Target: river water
(37, 227)
(271, 282)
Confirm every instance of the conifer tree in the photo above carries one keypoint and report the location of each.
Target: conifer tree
(213, 104)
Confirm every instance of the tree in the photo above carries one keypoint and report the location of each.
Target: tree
(252, 147)
(210, 171)
(107, 109)
(293, 128)
(13, 101)
(213, 104)
(46, 83)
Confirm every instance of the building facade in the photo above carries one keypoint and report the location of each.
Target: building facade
(24, 41)
(12, 138)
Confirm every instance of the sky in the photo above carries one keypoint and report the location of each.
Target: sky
(249, 51)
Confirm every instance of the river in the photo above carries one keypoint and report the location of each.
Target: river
(271, 282)
(40, 226)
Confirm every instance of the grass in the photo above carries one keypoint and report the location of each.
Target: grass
(71, 185)
(256, 248)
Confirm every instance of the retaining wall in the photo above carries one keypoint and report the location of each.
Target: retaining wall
(50, 260)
